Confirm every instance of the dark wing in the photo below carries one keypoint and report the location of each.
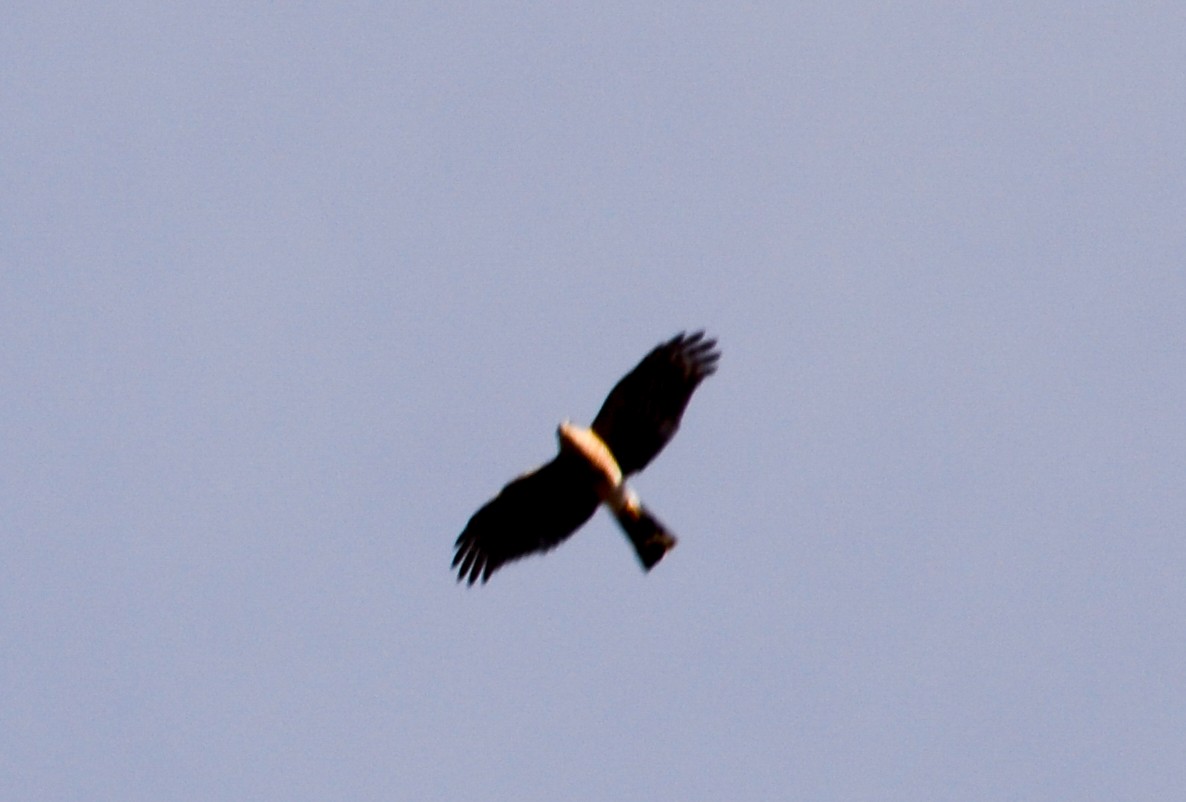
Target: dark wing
(535, 512)
(643, 410)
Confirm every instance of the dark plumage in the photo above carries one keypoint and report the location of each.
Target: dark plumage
(642, 412)
(539, 510)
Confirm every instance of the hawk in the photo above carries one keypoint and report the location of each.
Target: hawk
(539, 510)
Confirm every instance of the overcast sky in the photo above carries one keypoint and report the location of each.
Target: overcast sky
(287, 291)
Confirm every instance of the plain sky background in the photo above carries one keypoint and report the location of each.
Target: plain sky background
(288, 290)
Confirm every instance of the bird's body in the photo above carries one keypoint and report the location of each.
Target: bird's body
(593, 449)
(539, 510)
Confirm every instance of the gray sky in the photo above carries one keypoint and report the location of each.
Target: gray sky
(289, 290)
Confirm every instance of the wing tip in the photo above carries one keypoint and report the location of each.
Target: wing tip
(470, 561)
(697, 351)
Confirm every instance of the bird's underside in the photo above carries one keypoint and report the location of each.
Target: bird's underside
(540, 509)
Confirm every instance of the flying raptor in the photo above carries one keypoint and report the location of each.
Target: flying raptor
(540, 509)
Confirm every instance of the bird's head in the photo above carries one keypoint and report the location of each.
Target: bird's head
(579, 440)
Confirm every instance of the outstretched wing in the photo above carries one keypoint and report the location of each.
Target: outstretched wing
(643, 410)
(535, 512)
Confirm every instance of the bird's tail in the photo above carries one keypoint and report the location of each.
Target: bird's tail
(650, 538)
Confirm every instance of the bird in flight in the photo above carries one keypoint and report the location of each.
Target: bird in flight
(539, 510)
